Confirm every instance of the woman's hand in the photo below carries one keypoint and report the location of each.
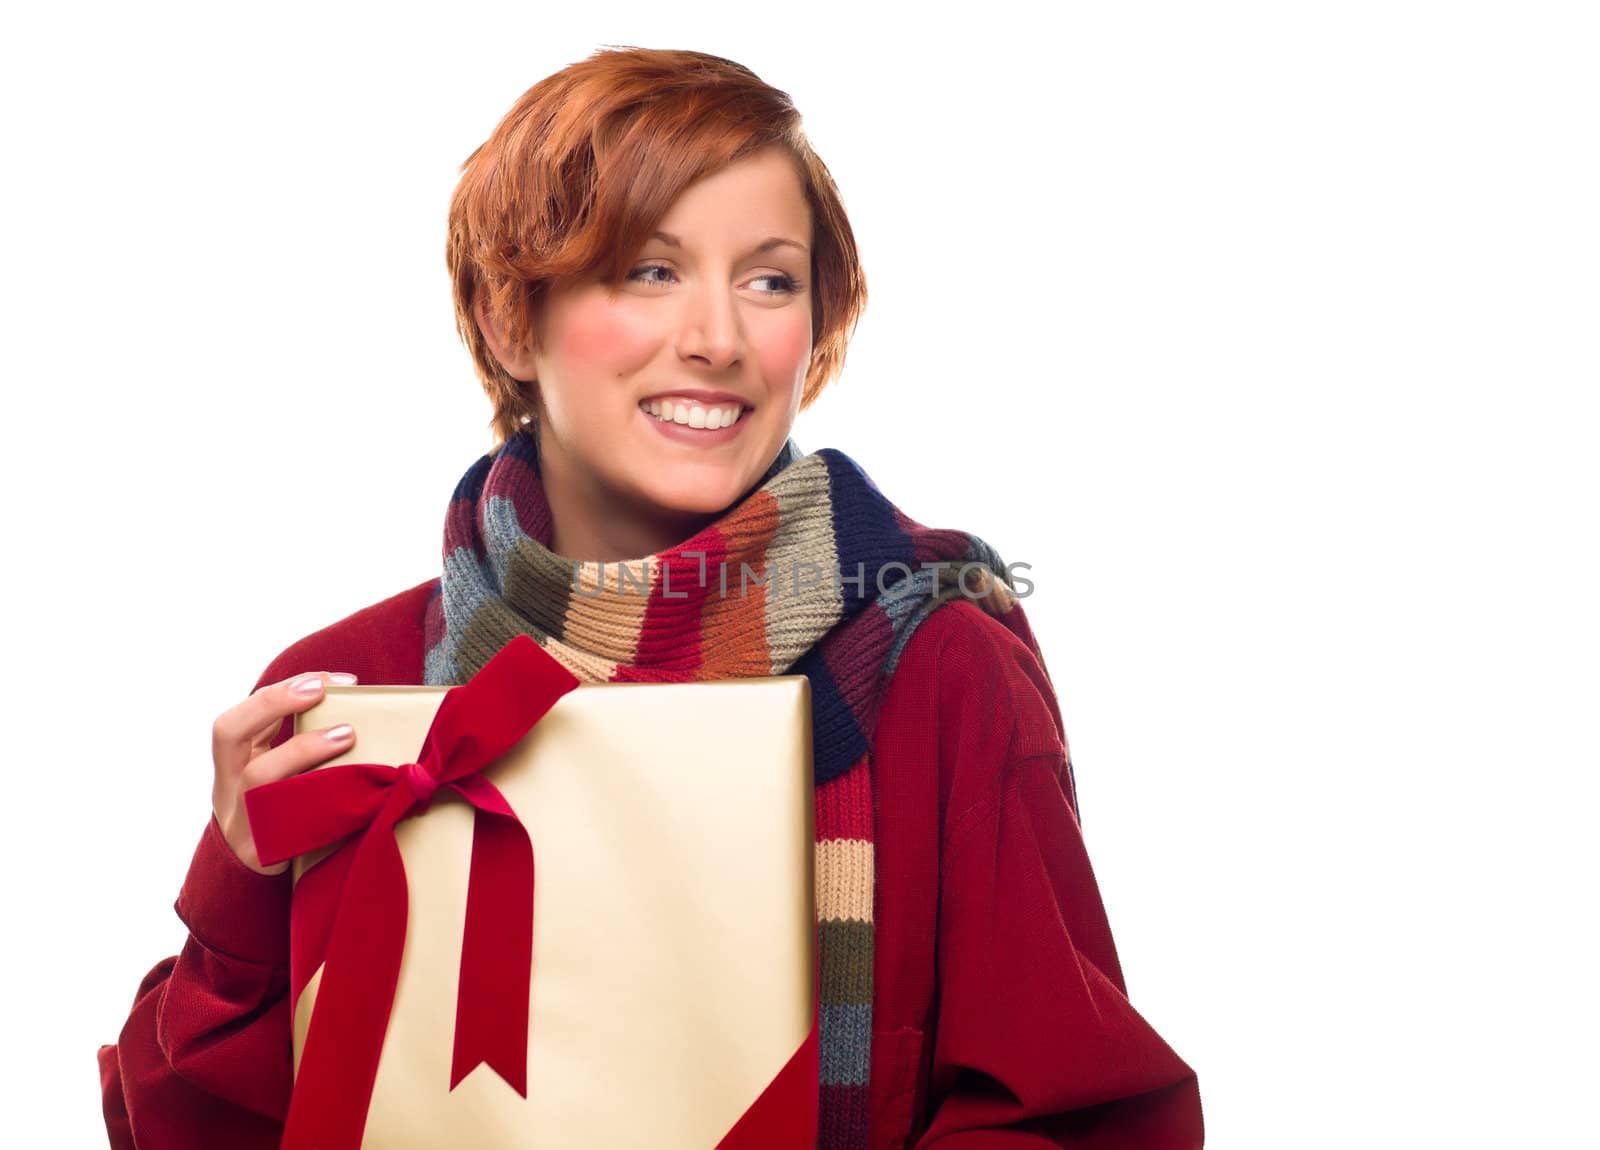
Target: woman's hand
(243, 755)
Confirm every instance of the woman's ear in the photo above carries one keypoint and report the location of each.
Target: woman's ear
(518, 361)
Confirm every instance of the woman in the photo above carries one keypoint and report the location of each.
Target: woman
(654, 273)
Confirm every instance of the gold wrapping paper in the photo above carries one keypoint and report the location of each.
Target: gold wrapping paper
(674, 915)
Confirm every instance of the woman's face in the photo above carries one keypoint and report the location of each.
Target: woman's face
(661, 401)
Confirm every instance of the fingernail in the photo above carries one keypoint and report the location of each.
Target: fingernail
(343, 678)
(340, 733)
(310, 685)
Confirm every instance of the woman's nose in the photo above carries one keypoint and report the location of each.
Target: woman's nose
(710, 330)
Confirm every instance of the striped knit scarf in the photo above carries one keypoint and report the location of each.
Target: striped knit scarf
(667, 618)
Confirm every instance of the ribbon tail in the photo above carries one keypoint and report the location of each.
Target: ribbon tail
(785, 1114)
(497, 943)
(339, 1063)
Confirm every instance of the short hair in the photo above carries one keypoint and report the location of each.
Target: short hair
(575, 178)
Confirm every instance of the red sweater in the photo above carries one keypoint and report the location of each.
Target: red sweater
(1000, 1019)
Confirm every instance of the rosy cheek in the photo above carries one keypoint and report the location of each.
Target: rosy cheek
(601, 337)
(786, 350)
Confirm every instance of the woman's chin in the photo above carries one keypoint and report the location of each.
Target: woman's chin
(699, 504)
(684, 485)
(699, 486)
(702, 493)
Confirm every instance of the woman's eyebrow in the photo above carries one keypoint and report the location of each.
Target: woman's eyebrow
(765, 245)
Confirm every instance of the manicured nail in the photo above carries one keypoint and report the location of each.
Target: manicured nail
(310, 685)
(340, 733)
(343, 678)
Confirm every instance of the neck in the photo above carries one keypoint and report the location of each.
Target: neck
(591, 525)
(575, 535)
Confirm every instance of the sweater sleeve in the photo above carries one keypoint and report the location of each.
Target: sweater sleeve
(1036, 1044)
(1037, 1040)
(204, 1059)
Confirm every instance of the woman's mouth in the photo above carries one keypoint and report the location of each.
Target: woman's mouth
(692, 413)
(700, 423)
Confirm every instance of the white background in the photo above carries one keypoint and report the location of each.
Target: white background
(1265, 332)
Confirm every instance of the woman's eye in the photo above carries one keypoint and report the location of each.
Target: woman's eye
(783, 285)
(642, 274)
(777, 283)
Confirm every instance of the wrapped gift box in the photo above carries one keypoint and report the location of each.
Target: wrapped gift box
(673, 957)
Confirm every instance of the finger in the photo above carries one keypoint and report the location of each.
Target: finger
(306, 750)
(264, 710)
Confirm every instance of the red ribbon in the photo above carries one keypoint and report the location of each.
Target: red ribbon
(476, 723)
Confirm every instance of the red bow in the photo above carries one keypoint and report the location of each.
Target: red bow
(476, 723)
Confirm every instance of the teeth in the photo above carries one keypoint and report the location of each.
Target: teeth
(687, 413)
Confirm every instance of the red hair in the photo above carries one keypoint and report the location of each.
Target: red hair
(575, 178)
